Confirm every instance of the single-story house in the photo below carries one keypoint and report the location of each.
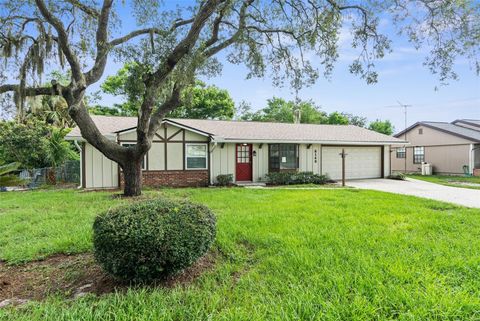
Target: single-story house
(451, 148)
(192, 152)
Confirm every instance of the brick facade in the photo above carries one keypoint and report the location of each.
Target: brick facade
(187, 178)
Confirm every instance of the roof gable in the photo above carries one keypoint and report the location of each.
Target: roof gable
(449, 128)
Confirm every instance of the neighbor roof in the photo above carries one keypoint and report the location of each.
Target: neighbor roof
(459, 131)
(472, 122)
(245, 131)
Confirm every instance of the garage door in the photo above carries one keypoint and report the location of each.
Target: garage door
(361, 162)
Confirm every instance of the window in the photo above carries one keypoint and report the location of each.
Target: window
(283, 156)
(144, 162)
(418, 155)
(196, 156)
(401, 152)
(420, 131)
(243, 153)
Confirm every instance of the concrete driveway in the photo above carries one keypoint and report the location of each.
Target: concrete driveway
(460, 196)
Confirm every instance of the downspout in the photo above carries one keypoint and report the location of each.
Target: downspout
(210, 160)
(75, 142)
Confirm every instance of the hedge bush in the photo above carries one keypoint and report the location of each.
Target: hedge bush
(224, 179)
(152, 239)
(397, 176)
(287, 178)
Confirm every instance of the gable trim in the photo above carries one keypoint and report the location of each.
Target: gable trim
(173, 123)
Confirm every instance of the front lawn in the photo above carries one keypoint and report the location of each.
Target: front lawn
(340, 254)
(472, 182)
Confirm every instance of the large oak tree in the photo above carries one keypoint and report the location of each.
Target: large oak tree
(279, 37)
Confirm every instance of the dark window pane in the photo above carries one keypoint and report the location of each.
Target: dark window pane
(196, 162)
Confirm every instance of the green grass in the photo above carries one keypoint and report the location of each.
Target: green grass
(449, 180)
(341, 254)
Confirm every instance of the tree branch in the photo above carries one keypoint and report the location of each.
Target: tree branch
(62, 40)
(94, 74)
(133, 34)
(55, 90)
(86, 9)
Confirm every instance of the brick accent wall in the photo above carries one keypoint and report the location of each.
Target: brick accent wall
(187, 178)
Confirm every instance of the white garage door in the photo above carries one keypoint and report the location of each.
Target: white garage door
(361, 162)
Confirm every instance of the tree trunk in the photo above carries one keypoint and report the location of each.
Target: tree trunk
(132, 176)
(51, 176)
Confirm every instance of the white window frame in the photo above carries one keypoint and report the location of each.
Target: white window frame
(144, 166)
(401, 150)
(186, 156)
(415, 149)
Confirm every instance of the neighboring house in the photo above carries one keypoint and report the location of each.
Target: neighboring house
(188, 152)
(447, 146)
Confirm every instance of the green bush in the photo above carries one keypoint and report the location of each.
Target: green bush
(224, 180)
(152, 239)
(397, 176)
(288, 178)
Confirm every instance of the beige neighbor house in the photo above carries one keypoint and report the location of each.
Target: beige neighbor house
(452, 148)
(188, 152)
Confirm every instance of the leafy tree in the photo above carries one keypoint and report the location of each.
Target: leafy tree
(269, 37)
(107, 111)
(205, 102)
(58, 151)
(198, 102)
(34, 144)
(6, 176)
(382, 126)
(24, 143)
(337, 118)
(280, 110)
(356, 120)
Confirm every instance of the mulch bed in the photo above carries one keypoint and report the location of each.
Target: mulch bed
(76, 275)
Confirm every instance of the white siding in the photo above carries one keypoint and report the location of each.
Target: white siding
(361, 162)
(175, 157)
(156, 157)
(222, 160)
(309, 158)
(100, 172)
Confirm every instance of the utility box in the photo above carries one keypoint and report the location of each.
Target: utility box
(426, 169)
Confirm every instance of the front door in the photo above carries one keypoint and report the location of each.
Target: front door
(244, 162)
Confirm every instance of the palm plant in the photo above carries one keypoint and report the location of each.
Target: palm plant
(6, 176)
(59, 151)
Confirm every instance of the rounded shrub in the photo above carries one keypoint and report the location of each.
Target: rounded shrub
(152, 239)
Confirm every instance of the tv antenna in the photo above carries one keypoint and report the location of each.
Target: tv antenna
(405, 112)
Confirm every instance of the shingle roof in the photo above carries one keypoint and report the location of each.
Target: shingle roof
(108, 125)
(472, 122)
(255, 131)
(453, 129)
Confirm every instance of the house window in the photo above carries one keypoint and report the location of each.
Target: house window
(420, 131)
(283, 156)
(418, 155)
(196, 156)
(401, 152)
(144, 162)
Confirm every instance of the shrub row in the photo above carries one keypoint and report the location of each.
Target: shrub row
(288, 178)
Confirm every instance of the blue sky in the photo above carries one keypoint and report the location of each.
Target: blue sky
(402, 77)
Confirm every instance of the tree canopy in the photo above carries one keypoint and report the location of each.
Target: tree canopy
(34, 144)
(199, 101)
(382, 126)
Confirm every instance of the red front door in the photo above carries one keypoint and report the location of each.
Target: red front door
(244, 162)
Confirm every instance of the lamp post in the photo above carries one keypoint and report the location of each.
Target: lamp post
(343, 155)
